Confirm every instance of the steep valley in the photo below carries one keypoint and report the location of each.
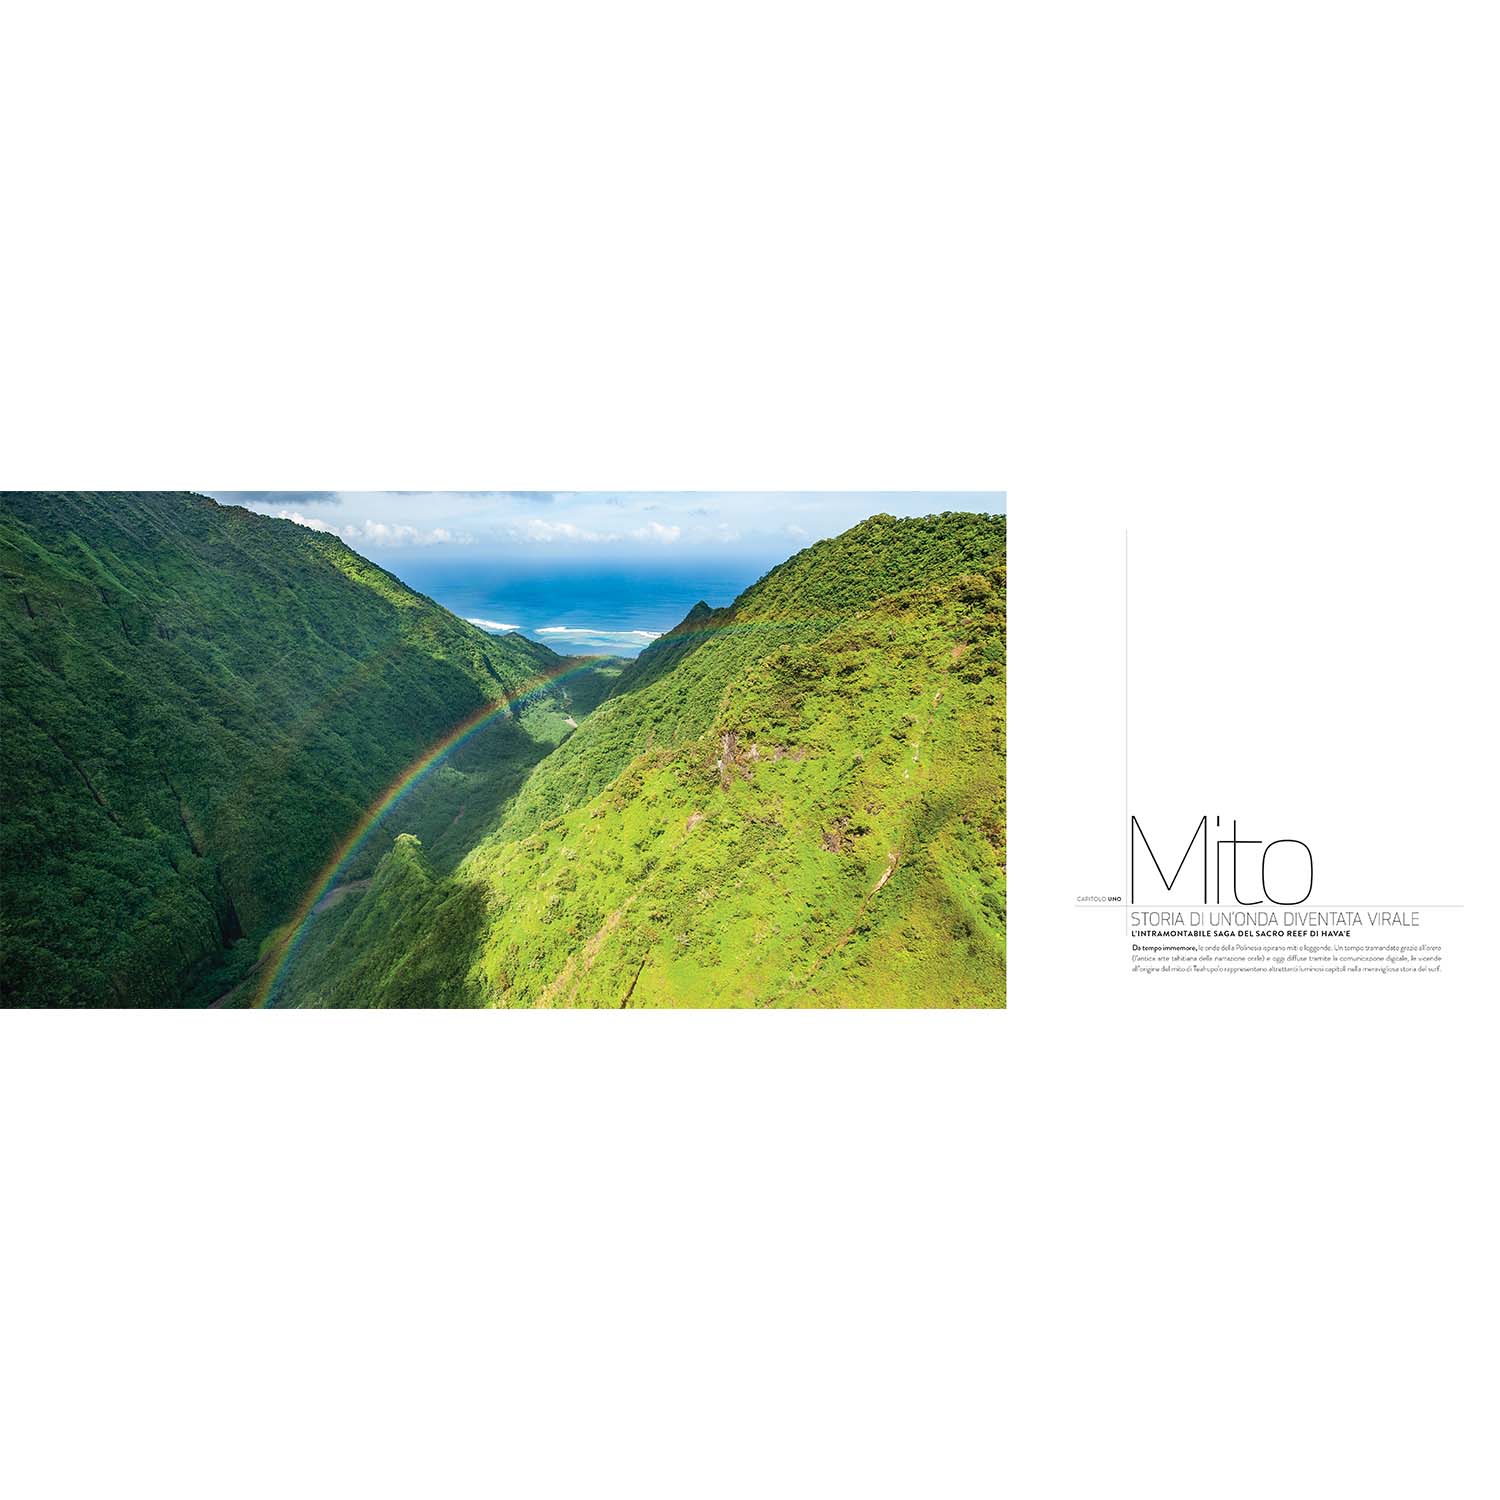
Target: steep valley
(228, 778)
(198, 703)
(799, 800)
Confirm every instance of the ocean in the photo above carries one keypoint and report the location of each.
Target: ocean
(577, 608)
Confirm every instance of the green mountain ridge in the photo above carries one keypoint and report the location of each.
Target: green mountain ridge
(199, 703)
(795, 800)
(671, 691)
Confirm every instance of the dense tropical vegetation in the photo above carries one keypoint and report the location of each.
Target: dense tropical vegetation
(795, 800)
(198, 704)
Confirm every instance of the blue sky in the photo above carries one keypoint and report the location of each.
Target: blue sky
(592, 524)
(592, 571)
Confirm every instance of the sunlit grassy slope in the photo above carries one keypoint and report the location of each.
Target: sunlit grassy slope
(796, 801)
(198, 704)
(672, 691)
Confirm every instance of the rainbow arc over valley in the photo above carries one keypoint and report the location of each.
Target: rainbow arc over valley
(273, 967)
(275, 964)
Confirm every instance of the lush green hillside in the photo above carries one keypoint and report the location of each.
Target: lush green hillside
(198, 704)
(798, 800)
(672, 691)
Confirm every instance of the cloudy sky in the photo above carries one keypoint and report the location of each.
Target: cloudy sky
(547, 522)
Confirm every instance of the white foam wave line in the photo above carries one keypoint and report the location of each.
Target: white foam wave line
(638, 635)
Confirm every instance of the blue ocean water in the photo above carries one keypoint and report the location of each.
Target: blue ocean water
(576, 608)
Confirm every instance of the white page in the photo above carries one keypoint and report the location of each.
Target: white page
(1221, 280)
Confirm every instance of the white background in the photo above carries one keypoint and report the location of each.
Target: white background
(1197, 272)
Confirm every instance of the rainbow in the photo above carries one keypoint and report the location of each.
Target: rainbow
(274, 965)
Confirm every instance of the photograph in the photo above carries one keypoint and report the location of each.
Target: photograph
(773, 319)
(503, 749)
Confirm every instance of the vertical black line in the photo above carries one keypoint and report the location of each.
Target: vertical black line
(1128, 827)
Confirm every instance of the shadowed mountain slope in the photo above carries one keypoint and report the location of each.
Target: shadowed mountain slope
(199, 703)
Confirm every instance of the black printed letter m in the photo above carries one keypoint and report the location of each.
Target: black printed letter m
(1201, 832)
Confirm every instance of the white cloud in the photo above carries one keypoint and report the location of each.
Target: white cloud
(654, 531)
(311, 522)
(493, 626)
(536, 530)
(371, 533)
